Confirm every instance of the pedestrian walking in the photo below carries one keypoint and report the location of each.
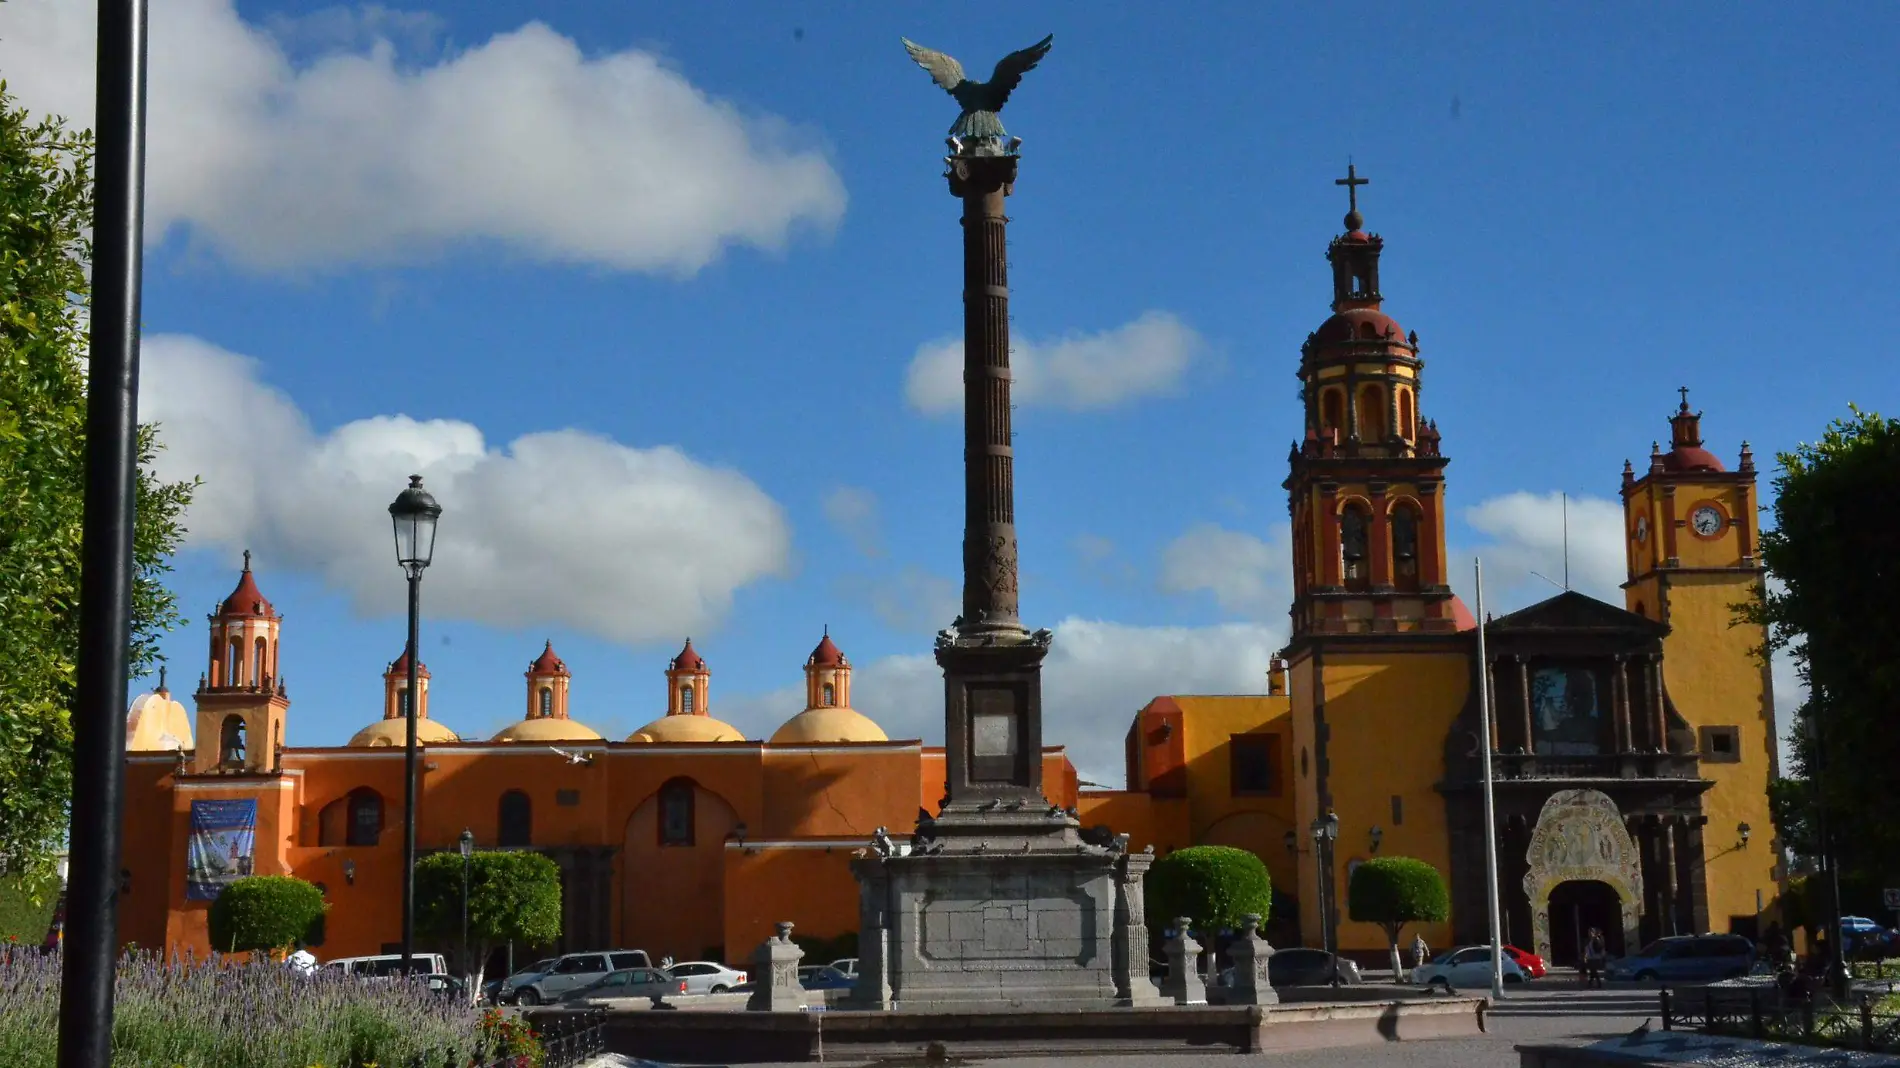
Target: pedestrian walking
(1420, 951)
(1594, 954)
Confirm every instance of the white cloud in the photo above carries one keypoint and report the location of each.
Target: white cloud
(1080, 372)
(1524, 559)
(610, 159)
(1246, 575)
(558, 527)
(911, 601)
(852, 510)
(1097, 676)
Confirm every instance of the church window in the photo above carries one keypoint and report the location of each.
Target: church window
(1331, 409)
(1255, 765)
(402, 702)
(365, 825)
(1721, 745)
(1398, 811)
(514, 820)
(1353, 526)
(1371, 415)
(231, 742)
(831, 695)
(1405, 548)
(1639, 609)
(233, 662)
(547, 701)
(686, 699)
(676, 813)
(1408, 418)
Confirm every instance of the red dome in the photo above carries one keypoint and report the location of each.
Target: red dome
(1690, 458)
(688, 660)
(1461, 616)
(247, 600)
(1359, 324)
(547, 663)
(826, 655)
(399, 667)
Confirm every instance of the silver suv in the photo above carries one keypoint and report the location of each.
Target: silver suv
(570, 973)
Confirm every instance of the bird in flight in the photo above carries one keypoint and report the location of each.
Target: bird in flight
(980, 100)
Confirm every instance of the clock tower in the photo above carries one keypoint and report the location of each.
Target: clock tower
(1689, 522)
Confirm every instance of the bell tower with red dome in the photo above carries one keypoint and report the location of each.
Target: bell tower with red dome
(241, 697)
(1366, 482)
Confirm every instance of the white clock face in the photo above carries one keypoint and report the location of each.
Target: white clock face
(1642, 529)
(1706, 520)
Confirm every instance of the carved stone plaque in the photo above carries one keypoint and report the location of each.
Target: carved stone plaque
(995, 729)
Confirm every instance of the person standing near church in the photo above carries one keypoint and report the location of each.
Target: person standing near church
(1420, 951)
(1594, 953)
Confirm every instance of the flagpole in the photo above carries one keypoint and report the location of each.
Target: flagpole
(1490, 801)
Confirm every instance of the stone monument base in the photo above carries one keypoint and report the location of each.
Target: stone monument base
(999, 908)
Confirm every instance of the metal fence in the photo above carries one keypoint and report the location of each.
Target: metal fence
(567, 1038)
(1770, 1014)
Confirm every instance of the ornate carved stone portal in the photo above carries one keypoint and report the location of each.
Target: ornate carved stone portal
(1580, 837)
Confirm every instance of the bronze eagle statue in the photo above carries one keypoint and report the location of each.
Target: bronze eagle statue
(980, 100)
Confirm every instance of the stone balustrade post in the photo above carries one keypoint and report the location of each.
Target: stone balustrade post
(1183, 984)
(775, 985)
(1250, 954)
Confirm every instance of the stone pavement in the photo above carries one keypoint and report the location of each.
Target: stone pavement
(1552, 1010)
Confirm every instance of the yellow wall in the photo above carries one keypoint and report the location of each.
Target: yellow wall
(1257, 823)
(1714, 680)
(1387, 715)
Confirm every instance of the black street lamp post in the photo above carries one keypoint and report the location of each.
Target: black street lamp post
(106, 553)
(1325, 830)
(414, 514)
(467, 844)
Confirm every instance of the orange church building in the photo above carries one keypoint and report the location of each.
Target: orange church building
(1634, 742)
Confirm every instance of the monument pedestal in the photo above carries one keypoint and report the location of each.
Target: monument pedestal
(1003, 922)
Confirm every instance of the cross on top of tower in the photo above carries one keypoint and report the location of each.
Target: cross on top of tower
(1352, 182)
(1684, 390)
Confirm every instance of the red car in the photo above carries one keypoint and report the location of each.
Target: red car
(1532, 964)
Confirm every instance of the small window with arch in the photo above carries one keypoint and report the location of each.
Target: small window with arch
(546, 698)
(686, 699)
(1354, 528)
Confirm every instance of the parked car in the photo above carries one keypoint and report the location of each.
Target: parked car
(707, 977)
(824, 977)
(452, 987)
(1466, 967)
(492, 989)
(1300, 967)
(627, 983)
(384, 964)
(1686, 959)
(570, 973)
(847, 965)
(1532, 964)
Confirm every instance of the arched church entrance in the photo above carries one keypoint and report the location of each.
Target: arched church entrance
(1576, 907)
(673, 872)
(1580, 839)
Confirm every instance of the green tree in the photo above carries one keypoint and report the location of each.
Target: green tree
(1213, 886)
(513, 896)
(267, 912)
(1395, 891)
(45, 250)
(26, 910)
(1831, 603)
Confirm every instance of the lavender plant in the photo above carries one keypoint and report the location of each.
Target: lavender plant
(222, 1013)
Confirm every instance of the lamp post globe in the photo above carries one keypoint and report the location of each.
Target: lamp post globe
(413, 515)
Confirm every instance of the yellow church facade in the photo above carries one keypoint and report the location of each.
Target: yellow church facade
(1633, 744)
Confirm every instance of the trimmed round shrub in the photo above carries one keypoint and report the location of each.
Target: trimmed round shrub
(266, 912)
(1213, 886)
(1394, 891)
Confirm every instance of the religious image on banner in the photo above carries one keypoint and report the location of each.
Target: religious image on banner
(222, 846)
(1569, 721)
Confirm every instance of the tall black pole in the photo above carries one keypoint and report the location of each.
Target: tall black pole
(414, 700)
(106, 560)
(467, 968)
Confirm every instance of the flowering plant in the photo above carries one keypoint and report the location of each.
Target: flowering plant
(220, 1013)
(510, 1040)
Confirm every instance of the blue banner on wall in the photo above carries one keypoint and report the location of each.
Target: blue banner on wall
(223, 844)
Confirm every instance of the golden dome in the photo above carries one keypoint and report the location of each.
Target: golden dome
(548, 729)
(395, 732)
(692, 728)
(816, 726)
(157, 724)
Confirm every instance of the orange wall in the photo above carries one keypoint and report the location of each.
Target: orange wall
(808, 884)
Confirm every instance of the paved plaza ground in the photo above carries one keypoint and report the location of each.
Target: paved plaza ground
(1554, 1010)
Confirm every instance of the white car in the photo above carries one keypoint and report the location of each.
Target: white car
(1465, 968)
(706, 977)
(847, 965)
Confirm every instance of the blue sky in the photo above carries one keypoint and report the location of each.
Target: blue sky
(652, 294)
